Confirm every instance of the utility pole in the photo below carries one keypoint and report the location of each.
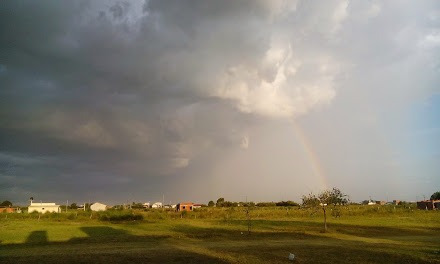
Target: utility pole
(67, 204)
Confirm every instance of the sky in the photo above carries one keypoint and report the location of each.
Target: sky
(122, 101)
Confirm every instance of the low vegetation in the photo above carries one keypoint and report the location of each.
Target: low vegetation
(119, 216)
(360, 234)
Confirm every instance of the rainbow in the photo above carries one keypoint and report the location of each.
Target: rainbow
(311, 155)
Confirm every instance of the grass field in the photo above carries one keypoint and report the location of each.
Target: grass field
(219, 235)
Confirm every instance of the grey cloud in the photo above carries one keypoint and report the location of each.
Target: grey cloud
(158, 93)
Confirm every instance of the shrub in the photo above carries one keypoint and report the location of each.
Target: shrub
(287, 203)
(119, 216)
(266, 204)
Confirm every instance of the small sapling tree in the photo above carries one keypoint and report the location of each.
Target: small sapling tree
(327, 197)
(247, 210)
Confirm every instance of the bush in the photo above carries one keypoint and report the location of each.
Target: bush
(266, 204)
(119, 216)
(287, 203)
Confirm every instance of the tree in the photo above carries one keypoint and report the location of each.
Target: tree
(248, 217)
(137, 205)
(211, 203)
(328, 197)
(73, 206)
(435, 196)
(220, 202)
(6, 203)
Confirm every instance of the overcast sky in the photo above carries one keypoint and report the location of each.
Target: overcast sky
(117, 101)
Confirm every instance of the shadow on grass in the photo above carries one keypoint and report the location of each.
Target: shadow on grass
(268, 243)
(37, 237)
(274, 246)
(103, 244)
(236, 233)
(355, 230)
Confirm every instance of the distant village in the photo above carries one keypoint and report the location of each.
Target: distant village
(45, 207)
(50, 207)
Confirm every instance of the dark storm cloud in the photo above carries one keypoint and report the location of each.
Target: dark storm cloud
(143, 97)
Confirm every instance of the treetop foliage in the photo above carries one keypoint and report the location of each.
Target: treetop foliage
(435, 196)
(6, 203)
(326, 197)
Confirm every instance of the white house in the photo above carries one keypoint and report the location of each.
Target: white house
(146, 205)
(156, 205)
(98, 207)
(43, 207)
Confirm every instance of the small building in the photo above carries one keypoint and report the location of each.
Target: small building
(195, 206)
(98, 207)
(146, 205)
(429, 205)
(381, 202)
(396, 202)
(156, 205)
(184, 206)
(370, 202)
(43, 207)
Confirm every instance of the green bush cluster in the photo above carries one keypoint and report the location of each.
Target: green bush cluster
(119, 216)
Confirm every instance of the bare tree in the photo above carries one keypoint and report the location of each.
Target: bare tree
(248, 218)
(333, 197)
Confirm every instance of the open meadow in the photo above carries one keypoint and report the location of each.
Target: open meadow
(362, 234)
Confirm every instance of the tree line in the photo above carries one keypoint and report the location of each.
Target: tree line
(221, 202)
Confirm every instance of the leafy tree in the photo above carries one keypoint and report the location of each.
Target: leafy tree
(328, 197)
(137, 205)
(228, 204)
(211, 203)
(220, 202)
(249, 204)
(6, 203)
(435, 196)
(73, 206)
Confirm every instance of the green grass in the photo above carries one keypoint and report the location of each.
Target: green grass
(219, 235)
